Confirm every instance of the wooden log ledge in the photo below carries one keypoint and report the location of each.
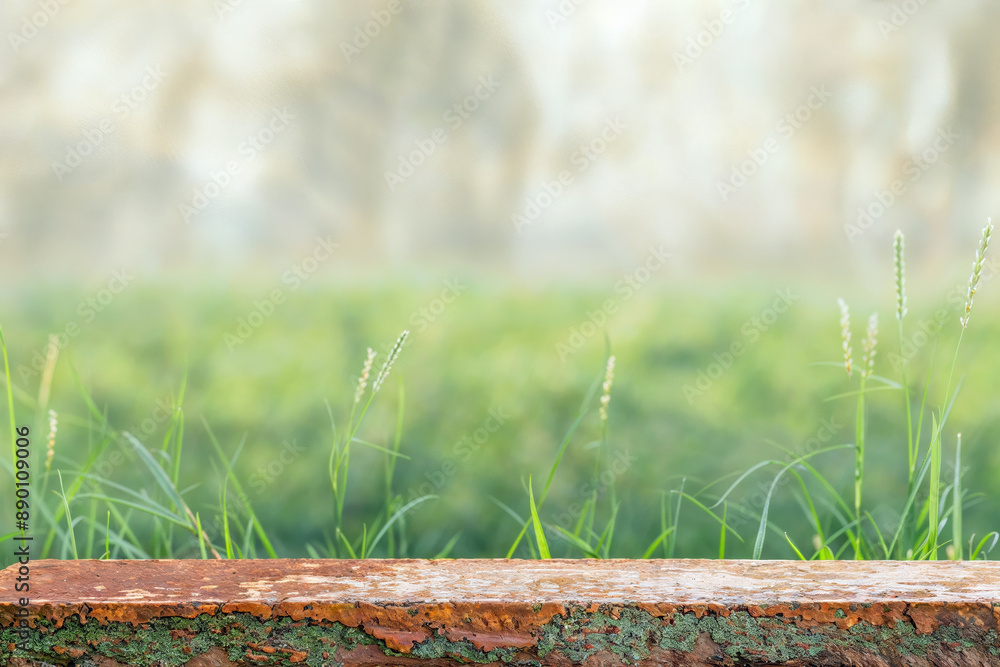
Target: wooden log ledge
(502, 612)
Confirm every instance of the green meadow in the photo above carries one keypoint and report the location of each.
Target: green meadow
(239, 410)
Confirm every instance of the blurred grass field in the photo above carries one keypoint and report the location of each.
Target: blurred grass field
(491, 360)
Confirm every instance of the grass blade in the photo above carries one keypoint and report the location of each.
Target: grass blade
(655, 543)
(762, 530)
(543, 546)
(911, 498)
(975, 552)
(508, 509)
(708, 511)
(395, 517)
(794, 548)
(878, 532)
(742, 477)
(107, 539)
(722, 532)
(956, 504)
(69, 518)
(935, 488)
(581, 413)
(447, 547)
(347, 545)
(258, 529)
(676, 518)
(201, 537)
(10, 401)
(150, 509)
(380, 448)
(159, 474)
(575, 541)
(225, 520)
(609, 532)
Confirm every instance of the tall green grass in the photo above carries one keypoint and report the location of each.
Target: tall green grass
(846, 526)
(82, 512)
(161, 506)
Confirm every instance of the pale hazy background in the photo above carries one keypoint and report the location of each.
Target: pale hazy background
(198, 78)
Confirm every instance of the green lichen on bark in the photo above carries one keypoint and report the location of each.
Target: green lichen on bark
(742, 636)
(629, 633)
(634, 632)
(580, 634)
(463, 651)
(174, 641)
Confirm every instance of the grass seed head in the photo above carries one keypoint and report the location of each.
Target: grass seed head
(871, 338)
(363, 380)
(393, 355)
(51, 449)
(900, 276)
(845, 336)
(609, 377)
(977, 270)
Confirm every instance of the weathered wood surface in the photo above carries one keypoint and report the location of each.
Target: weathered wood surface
(505, 612)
